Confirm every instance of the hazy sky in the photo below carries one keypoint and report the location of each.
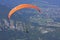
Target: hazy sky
(53, 2)
(15, 2)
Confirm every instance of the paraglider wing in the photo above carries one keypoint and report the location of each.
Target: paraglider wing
(19, 7)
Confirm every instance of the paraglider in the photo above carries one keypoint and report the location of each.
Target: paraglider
(19, 7)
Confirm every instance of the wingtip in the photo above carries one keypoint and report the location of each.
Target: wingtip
(8, 17)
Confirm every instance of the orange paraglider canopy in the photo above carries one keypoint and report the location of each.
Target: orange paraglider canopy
(19, 7)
